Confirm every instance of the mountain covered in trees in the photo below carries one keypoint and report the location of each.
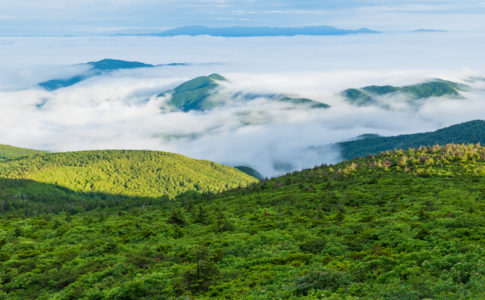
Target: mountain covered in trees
(413, 94)
(200, 94)
(399, 225)
(464, 133)
(130, 173)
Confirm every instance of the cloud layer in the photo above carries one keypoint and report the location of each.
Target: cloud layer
(120, 110)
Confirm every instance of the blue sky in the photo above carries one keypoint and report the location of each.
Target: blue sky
(47, 17)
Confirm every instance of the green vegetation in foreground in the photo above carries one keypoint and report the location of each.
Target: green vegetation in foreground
(199, 94)
(400, 225)
(436, 88)
(13, 152)
(464, 133)
(131, 173)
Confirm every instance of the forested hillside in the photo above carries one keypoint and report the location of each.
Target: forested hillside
(464, 133)
(128, 173)
(399, 225)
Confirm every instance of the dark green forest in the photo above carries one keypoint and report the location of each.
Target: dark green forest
(398, 225)
(464, 133)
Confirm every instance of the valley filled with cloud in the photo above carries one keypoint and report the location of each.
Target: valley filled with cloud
(123, 109)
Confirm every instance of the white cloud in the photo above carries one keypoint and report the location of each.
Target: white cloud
(120, 110)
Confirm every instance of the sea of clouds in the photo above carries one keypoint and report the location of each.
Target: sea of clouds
(120, 110)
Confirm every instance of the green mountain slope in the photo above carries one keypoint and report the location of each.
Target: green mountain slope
(131, 173)
(464, 133)
(436, 88)
(199, 94)
(403, 225)
(194, 94)
(7, 151)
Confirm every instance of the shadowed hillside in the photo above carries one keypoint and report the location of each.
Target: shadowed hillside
(464, 133)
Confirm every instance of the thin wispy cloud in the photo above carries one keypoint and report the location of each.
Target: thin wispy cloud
(86, 17)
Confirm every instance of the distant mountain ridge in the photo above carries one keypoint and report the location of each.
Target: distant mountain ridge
(471, 132)
(261, 31)
(429, 30)
(96, 68)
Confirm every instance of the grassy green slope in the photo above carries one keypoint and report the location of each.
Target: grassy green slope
(12, 152)
(194, 94)
(464, 133)
(131, 173)
(197, 94)
(402, 225)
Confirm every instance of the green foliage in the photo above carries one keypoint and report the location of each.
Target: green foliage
(399, 225)
(468, 132)
(436, 88)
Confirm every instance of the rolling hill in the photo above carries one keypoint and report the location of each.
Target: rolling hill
(199, 94)
(464, 133)
(401, 225)
(7, 151)
(128, 173)
(369, 95)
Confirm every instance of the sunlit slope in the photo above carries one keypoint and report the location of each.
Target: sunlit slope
(12, 152)
(131, 173)
(400, 225)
